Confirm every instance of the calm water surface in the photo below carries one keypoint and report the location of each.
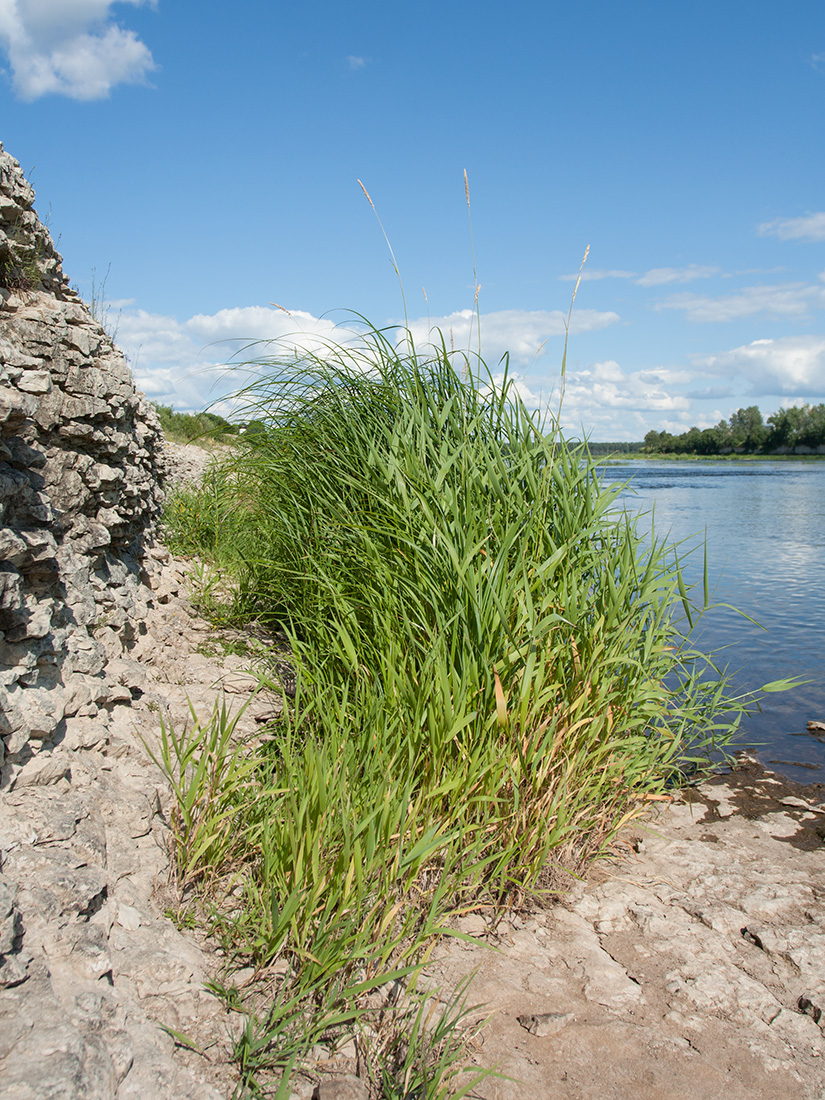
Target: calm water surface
(765, 526)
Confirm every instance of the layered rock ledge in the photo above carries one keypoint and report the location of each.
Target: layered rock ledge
(97, 985)
(81, 472)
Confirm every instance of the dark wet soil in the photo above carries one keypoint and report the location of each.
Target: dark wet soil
(758, 792)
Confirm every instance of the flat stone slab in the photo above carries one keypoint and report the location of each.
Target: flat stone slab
(693, 968)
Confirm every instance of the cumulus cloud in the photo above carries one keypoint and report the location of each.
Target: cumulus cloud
(251, 324)
(791, 365)
(190, 363)
(356, 62)
(786, 300)
(152, 336)
(196, 362)
(199, 361)
(605, 402)
(810, 227)
(533, 397)
(607, 385)
(523, 333)
(70, 48)
(661, 276)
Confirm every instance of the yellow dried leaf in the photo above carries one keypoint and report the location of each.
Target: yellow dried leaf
(501, 701)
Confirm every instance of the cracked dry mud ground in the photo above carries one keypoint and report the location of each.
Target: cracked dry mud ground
(678, 972)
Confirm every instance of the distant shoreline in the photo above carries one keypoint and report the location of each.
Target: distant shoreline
(627, 456)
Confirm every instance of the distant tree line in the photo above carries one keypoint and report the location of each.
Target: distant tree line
(747, 433)
(189, 427)
(614, 448)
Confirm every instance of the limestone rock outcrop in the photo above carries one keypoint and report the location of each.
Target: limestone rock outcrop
(96, 982)
(81, 469)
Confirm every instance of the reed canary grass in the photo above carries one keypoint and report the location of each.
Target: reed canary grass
(490, 677)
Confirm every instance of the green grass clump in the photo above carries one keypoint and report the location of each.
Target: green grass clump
(489, 676)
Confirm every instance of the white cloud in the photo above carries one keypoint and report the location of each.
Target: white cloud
(185, 362)
(199, 361)
(606, 371)
(787, 300)
(791, 365)
(523, 333)
(356, 62)
(247, 324)
(661, 276)
(810, 227)
(189, 363)
(153, 336)
(162, 385)
(194, 362)
(656, 276)
(594, 274)
(70, 47)
(531, 398)
(603, 401)
(606, 386)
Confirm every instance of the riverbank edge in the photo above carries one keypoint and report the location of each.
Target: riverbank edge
(638, 456)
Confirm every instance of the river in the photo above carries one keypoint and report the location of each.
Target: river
(765, 528)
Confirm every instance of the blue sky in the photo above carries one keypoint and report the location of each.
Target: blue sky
(207, 157)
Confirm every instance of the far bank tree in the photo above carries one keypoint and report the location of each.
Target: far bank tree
(746, 433)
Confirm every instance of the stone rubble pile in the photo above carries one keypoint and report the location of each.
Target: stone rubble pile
(188, 462)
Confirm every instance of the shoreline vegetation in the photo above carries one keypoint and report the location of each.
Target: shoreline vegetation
(488, 686)
(645, 456)
(795, 432)
(202, 428)
(785, 432)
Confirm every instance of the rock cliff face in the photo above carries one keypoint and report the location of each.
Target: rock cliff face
(80, 473)
(89, 965)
